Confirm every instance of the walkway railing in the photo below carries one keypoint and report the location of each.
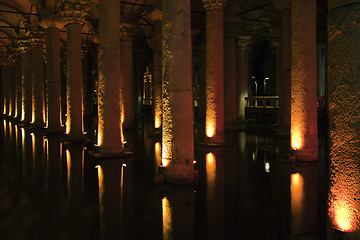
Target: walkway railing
(262, 102)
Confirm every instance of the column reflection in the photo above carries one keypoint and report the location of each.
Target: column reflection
(215, 193)
(55, 193)
(110, 177)
(304, 195)
(178, 212)
(74, 154)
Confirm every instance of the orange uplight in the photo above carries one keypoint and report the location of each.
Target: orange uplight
(210, 162)
(296, 140)
(68, 165)
(158, 153)
(343, 215)
(210, 130)
(157, 121)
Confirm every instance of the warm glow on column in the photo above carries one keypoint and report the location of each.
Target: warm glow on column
(344, 204)
(210, 125)
(158, 153)
(68, 110)
(167, 135)
(166, 219)
(297, 202)
(296, 138)
(158, 111)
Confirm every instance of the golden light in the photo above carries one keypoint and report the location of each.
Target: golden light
(101, 183)
(157, 120)
(158, 153)
(166, 219)
(210, 172)
(296, 139)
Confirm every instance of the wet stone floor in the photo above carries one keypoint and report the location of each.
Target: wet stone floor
(245, 190)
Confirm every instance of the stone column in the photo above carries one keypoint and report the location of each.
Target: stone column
(5, 83)
(177, 127)
(53, 76)
(3, 87)
(127, 32)
(74, 88)
(26, 112)
(156, 17)
(214, 123)
(303, 131)
(38, 84)
(18, 89)
(110, 135)
(12, 85)
(230, 78)
(284, 66)
(344, 112)
(242, 74)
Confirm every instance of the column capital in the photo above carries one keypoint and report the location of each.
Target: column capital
(73, 12)
(23, 44)
(127, 31)
(53, 21)
(214, 4)
(243, 41)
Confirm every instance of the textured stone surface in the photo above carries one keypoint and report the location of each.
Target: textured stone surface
(38, 86)
(53, 79)
(344, 110)
(214, 123)
(74, 122)
(110, 137)
(177, 130)
(303, 80)
(27, 87)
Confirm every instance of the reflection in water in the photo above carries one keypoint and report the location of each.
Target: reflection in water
(110, 177)
(167, 219)
(297, 204)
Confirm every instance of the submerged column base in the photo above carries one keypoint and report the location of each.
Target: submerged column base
(178, 173)
(305, 155)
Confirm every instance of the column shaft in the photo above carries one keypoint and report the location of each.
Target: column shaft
(344, 112)
(177, 128)
(126, 53)
(18, 89)
(303, 80)
(27, 87)
(12, 78)
(74, 122)
(38, 86)
(285, 69)
(214, 75)
(230, 79)
(53, 79)
(242, 74)
(110, 134)
(157, 74)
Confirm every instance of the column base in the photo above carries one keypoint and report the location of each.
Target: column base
(53, 130)
(178, 173)
(304, 155)
(334, 233)
(69, 138)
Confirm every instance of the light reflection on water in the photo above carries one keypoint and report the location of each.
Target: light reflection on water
(62, 193)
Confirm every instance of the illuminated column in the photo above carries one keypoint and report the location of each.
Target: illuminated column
(177, 127)
(5, 76)
(242, 73)
(12, 85)
(18, 107)
(53, 77)
(3, 87)
(74, 111)
(344, 112)
(303, 131)
(156, 16)
(127, 32)
(214, 123)
(230, 78)
(27, 86)
(110, 134)
(284, 65)
(38, 85)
